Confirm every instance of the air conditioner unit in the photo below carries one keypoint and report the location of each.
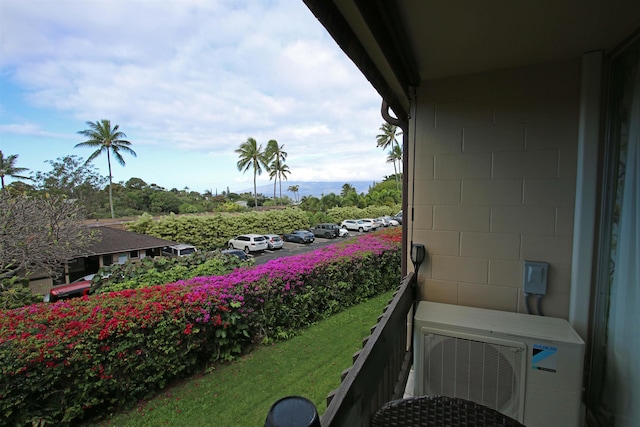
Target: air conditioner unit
(527, 367)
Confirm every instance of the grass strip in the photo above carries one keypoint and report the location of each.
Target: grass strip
(241, 393)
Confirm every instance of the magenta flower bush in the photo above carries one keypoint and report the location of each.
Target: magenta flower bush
(73, 359)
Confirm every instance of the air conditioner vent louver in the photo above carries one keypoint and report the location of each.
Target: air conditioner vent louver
(526, 367)
(486, 373)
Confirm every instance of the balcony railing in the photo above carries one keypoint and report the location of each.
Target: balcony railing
(380, 370)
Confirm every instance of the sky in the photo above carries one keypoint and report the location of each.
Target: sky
(187, 81)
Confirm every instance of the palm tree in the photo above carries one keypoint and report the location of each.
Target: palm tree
(354, 199)
(395, 155)
(388, 139)
(279, 172)
(347, 189)
(106, 139)
(8, 168)
(294, 189)
(328, 201)
(273, 174)
(252, 156)
(283, 171)
(275, 155)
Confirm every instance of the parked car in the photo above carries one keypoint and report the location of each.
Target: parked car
(374, 225)
(274, 241)
(381, 222)
(249, 243)
(328, 231)
(299, 236)
(384, 221)
(389, 221)
(76, 288)
(236, 252)
(179, 250)
(343, 232)
(356, 225)
(72, 290)
(398, 217)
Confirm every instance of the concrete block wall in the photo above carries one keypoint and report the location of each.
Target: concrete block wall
(494, 184)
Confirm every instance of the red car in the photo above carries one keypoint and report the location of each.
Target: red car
(72, 290)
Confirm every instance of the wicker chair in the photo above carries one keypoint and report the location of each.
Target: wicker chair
(438, 411)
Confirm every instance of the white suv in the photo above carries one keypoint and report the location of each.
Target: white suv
(249, 243)
(372, 222)
(355, 224)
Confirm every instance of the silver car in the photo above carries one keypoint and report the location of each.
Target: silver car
(385, 221)
(274, 241)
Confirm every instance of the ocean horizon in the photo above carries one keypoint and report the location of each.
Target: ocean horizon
(310, 188)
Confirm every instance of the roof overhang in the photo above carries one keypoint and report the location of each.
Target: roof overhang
(397, 44)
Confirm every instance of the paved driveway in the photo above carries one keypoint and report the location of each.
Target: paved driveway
(291, 248)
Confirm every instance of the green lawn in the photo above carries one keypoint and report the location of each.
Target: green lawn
(240, 393)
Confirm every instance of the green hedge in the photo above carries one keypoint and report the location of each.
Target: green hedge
(214, 231)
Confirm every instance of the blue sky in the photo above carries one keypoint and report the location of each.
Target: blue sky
(188, 81)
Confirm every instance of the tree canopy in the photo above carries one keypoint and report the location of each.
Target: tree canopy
(40, 234)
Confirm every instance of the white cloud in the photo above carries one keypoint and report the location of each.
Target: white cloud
(200, 76)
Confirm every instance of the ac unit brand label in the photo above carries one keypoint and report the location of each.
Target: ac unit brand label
(545, 358)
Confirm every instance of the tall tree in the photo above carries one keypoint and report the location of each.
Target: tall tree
(346, 189)
(278, 172)
(310, 203)
(106, 139)
(354, 199)
(388, 139)
(8, 168)
(252, 156)
(294, 189)
(395, 155)
(283, 171)
(328, 201)
(276, 156)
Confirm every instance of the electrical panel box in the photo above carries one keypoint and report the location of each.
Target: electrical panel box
(535, 277)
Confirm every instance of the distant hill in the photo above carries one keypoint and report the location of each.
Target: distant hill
(310, 188)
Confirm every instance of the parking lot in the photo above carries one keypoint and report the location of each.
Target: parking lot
(290, 248)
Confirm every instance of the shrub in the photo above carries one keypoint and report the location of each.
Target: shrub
(231, 207)
(65, 361)
(318, 217)
(15, 292)
(214, 231)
